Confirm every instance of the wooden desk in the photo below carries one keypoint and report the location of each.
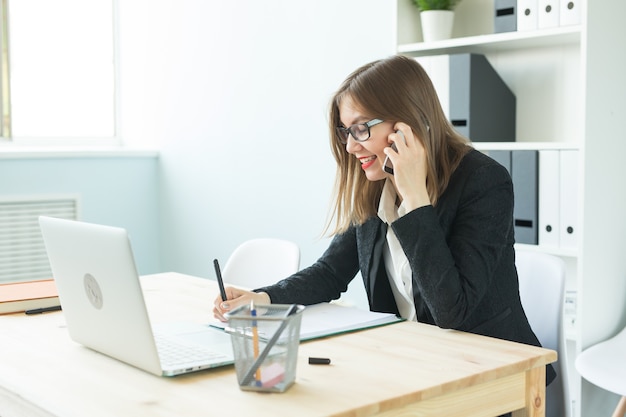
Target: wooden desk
(400, 369)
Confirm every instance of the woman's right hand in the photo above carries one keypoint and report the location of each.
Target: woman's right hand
(237, 297)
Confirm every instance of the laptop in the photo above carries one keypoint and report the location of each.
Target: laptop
(102, 300)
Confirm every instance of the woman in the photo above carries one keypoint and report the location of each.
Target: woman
(434, 240)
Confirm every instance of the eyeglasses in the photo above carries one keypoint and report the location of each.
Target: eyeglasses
(360, 132)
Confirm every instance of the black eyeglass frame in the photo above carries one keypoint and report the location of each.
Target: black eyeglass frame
(344, 132)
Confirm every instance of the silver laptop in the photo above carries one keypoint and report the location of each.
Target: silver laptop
(100, 293)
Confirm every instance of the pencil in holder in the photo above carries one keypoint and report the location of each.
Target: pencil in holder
(265, 342)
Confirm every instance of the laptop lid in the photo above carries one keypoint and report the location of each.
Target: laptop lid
(100, 292)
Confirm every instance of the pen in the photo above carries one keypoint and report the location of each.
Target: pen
(255, 341)
(42, 310)
(220, 281)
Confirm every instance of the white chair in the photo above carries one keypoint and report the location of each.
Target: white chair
(259, 262)
(542, 290)
(604, 365)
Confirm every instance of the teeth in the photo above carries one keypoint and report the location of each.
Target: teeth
(366, 160)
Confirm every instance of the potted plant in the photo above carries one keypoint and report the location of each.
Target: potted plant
(437, 17)
(436, 4)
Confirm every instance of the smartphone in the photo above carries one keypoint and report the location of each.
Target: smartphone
(388, 166)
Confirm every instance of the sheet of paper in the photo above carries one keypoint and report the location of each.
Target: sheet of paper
(326, 319)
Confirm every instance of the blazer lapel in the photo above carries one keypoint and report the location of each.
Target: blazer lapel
(371, 243)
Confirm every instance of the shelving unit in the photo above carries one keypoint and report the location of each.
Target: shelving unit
(570, 87)
(506, 41)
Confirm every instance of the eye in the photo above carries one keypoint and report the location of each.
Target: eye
(343, 132)
(360, 131)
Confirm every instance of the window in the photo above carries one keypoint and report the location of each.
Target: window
(58, 71)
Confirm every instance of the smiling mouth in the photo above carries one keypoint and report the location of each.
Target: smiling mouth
(367, 161)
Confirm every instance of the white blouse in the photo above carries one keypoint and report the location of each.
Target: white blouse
(396, 262)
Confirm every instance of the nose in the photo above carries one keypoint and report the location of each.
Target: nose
(352, 145)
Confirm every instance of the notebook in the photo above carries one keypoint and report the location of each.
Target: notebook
(100, 293)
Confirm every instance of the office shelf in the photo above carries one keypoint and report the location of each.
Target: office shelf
(507, 41)
(524, 146)
(569, 83)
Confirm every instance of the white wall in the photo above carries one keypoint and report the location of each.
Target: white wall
(236, 95)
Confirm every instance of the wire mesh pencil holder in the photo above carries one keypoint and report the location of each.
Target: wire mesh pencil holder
(265, 342)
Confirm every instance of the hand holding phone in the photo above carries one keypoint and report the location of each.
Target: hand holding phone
(387, 165)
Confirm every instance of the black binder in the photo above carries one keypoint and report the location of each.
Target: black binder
(482, 107)
(505, 19)
(524, 172)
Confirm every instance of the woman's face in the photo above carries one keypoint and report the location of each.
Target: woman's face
(369, 153)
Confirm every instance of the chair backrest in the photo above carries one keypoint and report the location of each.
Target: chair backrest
(603, 365)
(542, 291)
(259, 262)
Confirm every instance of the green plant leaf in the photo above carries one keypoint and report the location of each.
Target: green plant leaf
(436, 4)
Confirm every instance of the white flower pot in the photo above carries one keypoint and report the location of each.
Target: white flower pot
(436, 24)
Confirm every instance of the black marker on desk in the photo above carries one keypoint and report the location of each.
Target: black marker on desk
(319, 361)
(220, 281)
(42, 310)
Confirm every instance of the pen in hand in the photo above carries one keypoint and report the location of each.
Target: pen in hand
(220, 281)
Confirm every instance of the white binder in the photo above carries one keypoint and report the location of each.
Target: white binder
(549, 196)
(569, 226)
(570, 12)
(549, 11)
(526, 15)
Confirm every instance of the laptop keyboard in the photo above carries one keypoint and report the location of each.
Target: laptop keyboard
(174, 352)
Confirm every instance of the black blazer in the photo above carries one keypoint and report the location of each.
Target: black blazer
(460, 252)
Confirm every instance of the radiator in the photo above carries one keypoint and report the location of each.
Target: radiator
(22, 252)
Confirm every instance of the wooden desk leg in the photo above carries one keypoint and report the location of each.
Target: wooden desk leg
(535, 394)
(620, 410)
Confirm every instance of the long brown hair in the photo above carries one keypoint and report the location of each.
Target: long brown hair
(395, 89)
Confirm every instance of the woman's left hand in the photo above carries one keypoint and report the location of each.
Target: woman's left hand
(410, 167)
